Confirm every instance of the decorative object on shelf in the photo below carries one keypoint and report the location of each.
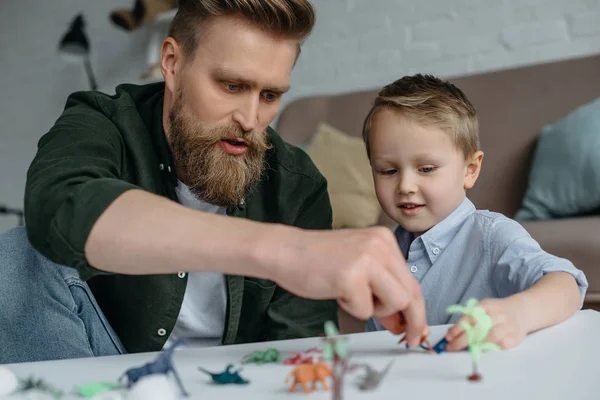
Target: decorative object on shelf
(143, 12)
(4, 210)
(75, 45)
(227, 376)
(476, 333)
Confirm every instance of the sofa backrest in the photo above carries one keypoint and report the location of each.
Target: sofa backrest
(513, 105)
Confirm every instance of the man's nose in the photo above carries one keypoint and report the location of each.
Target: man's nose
(246, 115)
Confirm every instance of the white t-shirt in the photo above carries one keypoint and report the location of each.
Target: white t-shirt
(202, 315)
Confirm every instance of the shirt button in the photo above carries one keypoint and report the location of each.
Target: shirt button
(435, 250)
(181, 274)
(162, 332)
(413, 269)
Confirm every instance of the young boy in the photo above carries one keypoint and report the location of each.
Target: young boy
(422, 141)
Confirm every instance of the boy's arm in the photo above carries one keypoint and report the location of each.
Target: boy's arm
(518, 263)
(550, 300)
(533, 289)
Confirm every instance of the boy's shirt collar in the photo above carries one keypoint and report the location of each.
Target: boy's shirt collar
(434, 241)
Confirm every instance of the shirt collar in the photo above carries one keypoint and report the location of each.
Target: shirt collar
(435, 240)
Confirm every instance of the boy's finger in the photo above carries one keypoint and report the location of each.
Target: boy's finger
(460, 342)
(457, 329)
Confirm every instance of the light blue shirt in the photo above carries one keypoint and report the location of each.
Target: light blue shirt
(475, 253)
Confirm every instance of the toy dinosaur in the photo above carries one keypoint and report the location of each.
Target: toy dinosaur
(162, 365)
(310, 373)
(226, 376)
(92, 389)
(39, 384)
(262, 357)
(372, 378)
(400, 328)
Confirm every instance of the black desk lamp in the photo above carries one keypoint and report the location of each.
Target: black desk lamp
(75, 44)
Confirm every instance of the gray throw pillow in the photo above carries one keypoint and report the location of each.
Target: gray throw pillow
(565, 172)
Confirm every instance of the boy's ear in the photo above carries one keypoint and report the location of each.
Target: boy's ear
(473, 168)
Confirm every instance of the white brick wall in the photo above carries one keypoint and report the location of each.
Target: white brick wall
(357, 44)
(361, 44)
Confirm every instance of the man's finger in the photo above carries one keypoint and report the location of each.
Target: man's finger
(358, 302)
(415, 316)
(391, 323)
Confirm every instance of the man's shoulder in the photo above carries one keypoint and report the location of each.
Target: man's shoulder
(127, 99)
(287, 159)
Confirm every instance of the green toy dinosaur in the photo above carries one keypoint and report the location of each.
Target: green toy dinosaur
(262, 357)
(477, 333)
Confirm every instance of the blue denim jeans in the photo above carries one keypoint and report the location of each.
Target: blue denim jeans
(46, 311)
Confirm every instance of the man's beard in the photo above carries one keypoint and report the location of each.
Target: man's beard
(211, 174)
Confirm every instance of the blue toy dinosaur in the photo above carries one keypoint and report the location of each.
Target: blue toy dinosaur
(226, 376)
(162, 365)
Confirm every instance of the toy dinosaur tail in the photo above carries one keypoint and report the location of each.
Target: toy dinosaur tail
(205, 371)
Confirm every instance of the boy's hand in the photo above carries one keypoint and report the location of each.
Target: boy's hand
(507, 331)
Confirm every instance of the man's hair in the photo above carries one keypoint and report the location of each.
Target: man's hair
(286, 18)
(430, 101)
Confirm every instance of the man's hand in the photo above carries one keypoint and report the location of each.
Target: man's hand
(507, 330)
(362, 268)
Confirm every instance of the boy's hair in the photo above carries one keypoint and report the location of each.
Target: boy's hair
(287, 18)
(429, 101)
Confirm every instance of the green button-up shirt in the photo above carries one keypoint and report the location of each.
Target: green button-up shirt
(102, 146)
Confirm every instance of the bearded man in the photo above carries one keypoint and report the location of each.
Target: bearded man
(172, 209)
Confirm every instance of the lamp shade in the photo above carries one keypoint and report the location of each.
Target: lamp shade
(75, 42)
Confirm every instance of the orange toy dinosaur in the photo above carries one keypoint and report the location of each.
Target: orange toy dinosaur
(400, 328)
(310, 373)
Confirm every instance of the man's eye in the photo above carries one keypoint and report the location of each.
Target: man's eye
(270, 96)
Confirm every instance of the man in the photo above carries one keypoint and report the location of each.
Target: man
(132, 190)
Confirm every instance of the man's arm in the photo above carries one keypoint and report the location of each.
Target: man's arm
(290, 316)
(79, 213)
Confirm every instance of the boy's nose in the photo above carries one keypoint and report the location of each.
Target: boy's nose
(406, 185)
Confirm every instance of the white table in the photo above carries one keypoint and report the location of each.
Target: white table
(561, 362)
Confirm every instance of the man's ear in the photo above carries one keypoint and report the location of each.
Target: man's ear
(171, 59)
(473, 167)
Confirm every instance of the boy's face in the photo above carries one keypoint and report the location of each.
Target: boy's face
(420, 175)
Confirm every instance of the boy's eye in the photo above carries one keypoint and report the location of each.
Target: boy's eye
(389, 172)
(427, 170)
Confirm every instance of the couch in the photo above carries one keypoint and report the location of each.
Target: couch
(512, 105)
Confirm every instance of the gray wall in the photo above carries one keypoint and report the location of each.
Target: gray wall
(357, 44)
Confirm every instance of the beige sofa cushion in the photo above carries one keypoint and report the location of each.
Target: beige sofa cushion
(343, 161)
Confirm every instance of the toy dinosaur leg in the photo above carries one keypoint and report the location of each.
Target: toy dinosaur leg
(402, 339)
(427, 343)
(293, 387)
(181, 388)
(324, 383)
(305, 388)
